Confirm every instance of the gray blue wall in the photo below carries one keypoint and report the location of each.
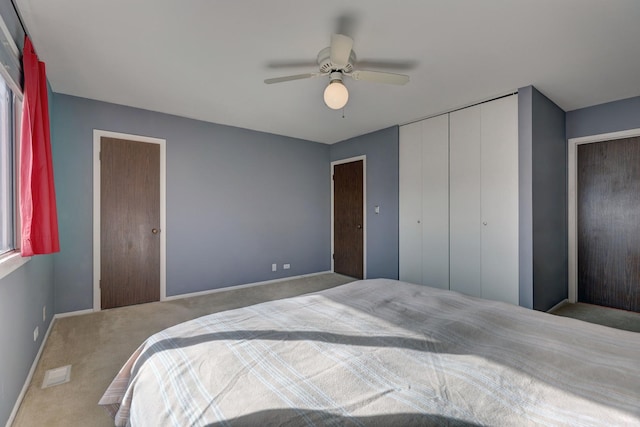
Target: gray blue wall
(604, 118)
(381, 149)
(23, 293)
(543, 200)
(237, 200)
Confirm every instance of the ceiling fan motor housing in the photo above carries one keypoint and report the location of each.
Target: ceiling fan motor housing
(326, 66)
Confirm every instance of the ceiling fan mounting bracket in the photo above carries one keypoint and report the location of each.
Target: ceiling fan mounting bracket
(326, 66)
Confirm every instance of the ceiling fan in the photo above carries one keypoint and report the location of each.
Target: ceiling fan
(337, 61)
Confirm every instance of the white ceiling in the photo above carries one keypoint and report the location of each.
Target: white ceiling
(207, 59)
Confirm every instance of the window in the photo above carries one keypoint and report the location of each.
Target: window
(7, 170)
(10, 108)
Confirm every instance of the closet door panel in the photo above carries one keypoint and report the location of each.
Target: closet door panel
(435, 202)
(499, 159)
(410, 203)
(464, 181)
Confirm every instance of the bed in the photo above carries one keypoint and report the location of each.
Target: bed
(380, 352)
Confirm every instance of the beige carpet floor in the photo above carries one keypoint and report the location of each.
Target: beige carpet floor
(98, 344)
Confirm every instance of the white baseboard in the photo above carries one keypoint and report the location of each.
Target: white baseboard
(246, 285)
(563, 302)
(73, 313)
(27, 382)
(201, 293)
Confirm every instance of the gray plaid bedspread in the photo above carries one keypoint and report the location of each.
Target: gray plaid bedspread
(380, 352)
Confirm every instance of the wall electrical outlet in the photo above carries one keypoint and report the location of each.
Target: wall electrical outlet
(274, 267)
(286, 266)
(35, 333)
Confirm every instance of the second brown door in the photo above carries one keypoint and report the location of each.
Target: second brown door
(129, 222)
(348, 217)
(609, 223)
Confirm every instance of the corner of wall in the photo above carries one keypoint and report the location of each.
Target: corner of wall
(549, 212)
(525, 198)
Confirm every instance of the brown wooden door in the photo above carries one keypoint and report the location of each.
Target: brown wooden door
(348, 219)
(129, 222)
(609, 223)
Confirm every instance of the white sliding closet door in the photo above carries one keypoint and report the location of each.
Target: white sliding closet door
(483, 174)
(459, 201)
(464, 175)
(424, 202)
(499, 159)
(410, 199)
(435, 202)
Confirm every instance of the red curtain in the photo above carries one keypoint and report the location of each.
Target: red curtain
(38, 213)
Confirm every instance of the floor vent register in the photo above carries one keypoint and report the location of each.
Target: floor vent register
(57, 376)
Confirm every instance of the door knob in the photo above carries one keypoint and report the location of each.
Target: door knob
(154, 230)
(359, 226)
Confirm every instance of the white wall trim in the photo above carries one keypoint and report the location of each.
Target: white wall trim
(27, 381)
(364, 208)
(572, 210)
(11, 262)
(245, 285)
(97, 134)
(73, 313)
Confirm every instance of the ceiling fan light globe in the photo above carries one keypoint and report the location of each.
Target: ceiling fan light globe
(336, 95)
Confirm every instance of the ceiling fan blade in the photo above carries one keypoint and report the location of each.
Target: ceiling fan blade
(380, 77)
(340, 49)
(387, 65)
(293, 64)
(289, 78)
